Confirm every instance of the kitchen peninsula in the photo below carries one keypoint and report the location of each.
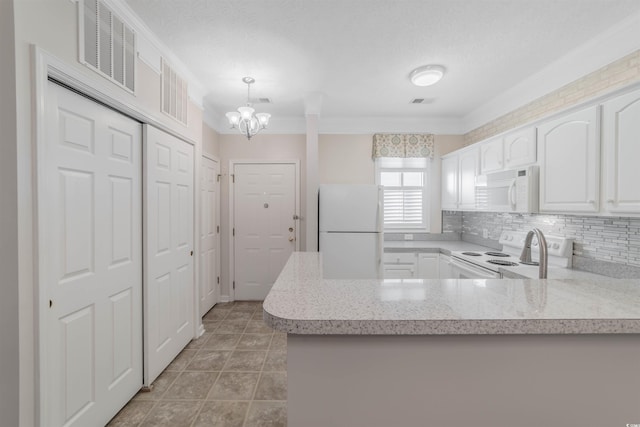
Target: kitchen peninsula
(447, 353)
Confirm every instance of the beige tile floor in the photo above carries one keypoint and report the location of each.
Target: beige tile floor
(235, 375)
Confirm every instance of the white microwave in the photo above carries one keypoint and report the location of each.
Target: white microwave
(514, 190)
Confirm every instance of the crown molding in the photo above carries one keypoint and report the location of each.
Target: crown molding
(603, 49)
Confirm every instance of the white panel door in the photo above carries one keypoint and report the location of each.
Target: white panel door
(209, 257)
(621, 148)
(570, 162)
(90, 245)
(265, 235)
(169, 285)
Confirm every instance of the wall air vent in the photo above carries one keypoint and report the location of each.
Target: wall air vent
(174, 94)
(107, 44)
(422, 100)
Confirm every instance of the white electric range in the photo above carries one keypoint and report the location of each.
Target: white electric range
(487, 265)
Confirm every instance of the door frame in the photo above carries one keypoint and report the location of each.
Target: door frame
(232, 164)
(46, 67)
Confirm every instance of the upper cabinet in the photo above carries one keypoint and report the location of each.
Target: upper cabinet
(449, 195)
(621, 152)
(520, 148)
(491, 156)
(468, 167)
(569, 156)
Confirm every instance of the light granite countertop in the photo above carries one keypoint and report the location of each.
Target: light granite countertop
(302, 302)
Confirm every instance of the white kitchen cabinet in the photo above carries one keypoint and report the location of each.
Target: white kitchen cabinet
(444, 267)
(428, 265)
(468, 168)
(400, 265)
(621, 152)
(520, 148)
(491, 156)
(449, 195)
(569, 155)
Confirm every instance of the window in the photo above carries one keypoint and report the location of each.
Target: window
(405, 182)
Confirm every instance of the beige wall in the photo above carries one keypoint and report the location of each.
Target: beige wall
(618, 74)
(261, 147)
(345, 159)
(210, 141)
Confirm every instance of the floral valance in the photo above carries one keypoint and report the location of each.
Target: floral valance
(403, 145)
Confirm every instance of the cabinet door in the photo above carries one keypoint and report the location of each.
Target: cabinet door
(520, 148)
(468, 169)
(621, 152)
(449, 195)
(569, 162)
(491, 156)
(444, 267)
(428, 266)
(400, 265)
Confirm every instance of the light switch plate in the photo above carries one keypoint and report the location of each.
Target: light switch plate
(408, 237)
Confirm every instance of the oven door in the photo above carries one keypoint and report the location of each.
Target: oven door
(465, 270)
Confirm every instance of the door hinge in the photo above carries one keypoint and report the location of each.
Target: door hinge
(233, 178)
(218, 178)
(218, 280)
(234, 285)
(218, 229)
(233, 231)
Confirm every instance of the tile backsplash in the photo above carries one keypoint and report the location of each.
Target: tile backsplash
(609, 239)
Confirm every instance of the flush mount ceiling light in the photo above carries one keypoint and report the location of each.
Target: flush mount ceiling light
(427, 75)
(244, 119)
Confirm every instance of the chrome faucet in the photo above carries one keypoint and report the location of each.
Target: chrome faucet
(525, 257)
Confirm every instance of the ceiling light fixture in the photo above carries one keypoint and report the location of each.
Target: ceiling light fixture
(427, 75)
(244, 120)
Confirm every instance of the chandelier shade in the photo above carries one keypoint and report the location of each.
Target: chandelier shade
(245, 119)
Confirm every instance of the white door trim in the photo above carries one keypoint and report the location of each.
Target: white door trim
(48, 66)
(232, 164)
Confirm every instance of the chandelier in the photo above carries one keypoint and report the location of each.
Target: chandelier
(244, 119)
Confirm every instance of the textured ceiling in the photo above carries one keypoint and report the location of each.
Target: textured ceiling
(358, 53)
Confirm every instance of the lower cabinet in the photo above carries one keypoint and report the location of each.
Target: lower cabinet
(412, 265)
(400, 265)
(428, 265)
(444, 267)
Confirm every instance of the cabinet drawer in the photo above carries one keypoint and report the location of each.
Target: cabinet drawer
(400, 258)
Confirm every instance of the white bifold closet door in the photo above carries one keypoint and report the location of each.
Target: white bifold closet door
(169, 284)
(90, 260)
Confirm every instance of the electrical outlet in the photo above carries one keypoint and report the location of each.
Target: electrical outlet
(485, 233)
(408, 237)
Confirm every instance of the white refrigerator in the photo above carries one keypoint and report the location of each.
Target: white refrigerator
(350, 235)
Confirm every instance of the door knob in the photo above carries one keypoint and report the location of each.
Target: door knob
(291, 239)
(290, 229)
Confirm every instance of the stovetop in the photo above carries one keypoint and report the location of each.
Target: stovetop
(560, 251)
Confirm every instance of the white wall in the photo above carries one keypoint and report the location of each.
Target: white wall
(9, 336)
(261, 147)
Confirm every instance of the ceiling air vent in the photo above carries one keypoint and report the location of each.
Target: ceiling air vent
(107, 44)
(422, 100)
